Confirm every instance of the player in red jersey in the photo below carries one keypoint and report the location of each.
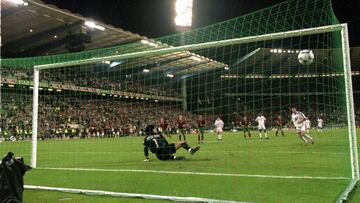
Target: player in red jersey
(246, 125)
(181, 127)
(164, 127)
(201, 127)
(279, 123)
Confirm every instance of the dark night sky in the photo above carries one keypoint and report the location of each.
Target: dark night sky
(154, 18)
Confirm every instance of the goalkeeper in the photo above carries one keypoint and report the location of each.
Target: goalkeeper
(159, 146)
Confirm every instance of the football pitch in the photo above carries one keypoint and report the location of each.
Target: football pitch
(281, 169)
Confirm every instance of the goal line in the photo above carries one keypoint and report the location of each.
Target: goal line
(194, 173)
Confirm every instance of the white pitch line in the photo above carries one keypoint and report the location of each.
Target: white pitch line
(195, 173)
(217, 151)
(129, 195)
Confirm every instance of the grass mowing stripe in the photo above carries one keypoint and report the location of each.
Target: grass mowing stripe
(133, 195)
(195, 173)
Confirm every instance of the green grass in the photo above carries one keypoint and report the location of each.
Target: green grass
(281, 156)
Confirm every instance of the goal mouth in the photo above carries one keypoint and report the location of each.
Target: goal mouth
(267, 96)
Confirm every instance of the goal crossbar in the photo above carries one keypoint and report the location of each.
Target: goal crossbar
(193, 47)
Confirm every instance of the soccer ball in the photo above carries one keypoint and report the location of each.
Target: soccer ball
(306, 57)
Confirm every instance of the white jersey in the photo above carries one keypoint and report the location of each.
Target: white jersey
(298, 119)
(261, 122)
(219, 123)
(320, 122)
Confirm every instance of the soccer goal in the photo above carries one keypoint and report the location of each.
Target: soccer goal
(80, 117)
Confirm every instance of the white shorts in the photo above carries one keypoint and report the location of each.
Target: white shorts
(300, 128)
(219, 130)
(261, 127)
(307, 126)
(320, 126)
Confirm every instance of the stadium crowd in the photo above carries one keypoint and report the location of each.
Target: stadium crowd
(69, 116)
(93, 80)
(62, 116)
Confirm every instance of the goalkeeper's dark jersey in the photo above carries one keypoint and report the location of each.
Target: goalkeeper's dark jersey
(153, 142)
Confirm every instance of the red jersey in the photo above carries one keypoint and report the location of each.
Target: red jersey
(201, 123)
(164, 125)
(279, 122)
(181, 123)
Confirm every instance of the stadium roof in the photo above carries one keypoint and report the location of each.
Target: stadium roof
(38, 29)
(41, 29)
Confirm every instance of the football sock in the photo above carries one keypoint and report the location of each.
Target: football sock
(303, 138)
(185, 146)
(220, 136)
(308, 137)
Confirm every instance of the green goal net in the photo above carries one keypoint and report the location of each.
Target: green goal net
(81, 118)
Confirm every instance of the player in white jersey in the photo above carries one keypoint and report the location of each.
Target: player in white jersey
(219, 124)
(298, 120)
(307, 125)
(261, 125)
(320, 122)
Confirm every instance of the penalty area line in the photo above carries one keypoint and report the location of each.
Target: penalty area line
(194, 173)
(128, 195)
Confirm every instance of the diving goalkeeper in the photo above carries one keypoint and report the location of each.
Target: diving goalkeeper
(159, 146)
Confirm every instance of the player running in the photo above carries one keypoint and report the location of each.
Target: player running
(246, 124)
(320, 123)
(201, 127)
(298, 119)
(158, 145)
(219, 124)
(279, 123)
(261, 125)
(181, 127)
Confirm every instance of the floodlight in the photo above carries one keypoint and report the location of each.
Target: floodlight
(115, 63)
(196, 58)
(18, 2)
(183, 9)
(92, 24)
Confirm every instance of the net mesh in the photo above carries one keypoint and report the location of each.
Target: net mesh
(120, 97)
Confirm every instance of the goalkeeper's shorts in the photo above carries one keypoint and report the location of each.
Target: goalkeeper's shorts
(165, 152)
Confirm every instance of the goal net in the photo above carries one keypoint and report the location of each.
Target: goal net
(81, 117)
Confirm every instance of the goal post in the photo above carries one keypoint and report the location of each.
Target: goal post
(34, 137)
(350, 115)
